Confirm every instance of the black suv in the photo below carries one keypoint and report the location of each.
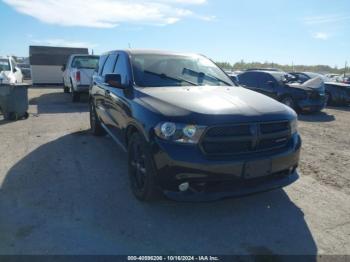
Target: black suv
(284, 88)
(188, 131)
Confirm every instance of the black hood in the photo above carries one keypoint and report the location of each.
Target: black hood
(210, 100)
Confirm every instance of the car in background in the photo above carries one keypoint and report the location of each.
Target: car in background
(332, 77)
(264, 69)
(337, 93)
(77, 74)
(26, 71)
(346, 80)
(234, 77)
(9, 71)
(309, 96)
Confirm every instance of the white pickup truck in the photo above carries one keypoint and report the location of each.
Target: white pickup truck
(77, 74)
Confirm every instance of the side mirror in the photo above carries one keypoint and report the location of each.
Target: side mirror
(63, 67)
(114, 80)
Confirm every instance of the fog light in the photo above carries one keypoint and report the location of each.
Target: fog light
(184, 186)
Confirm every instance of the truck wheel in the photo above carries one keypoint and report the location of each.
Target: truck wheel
(288, 101)
(95, 124)
(65, 88)
(142, 173)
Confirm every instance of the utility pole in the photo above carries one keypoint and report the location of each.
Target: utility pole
(345, 68)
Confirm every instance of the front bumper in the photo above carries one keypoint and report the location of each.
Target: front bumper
(214, 178)
(313, 105)
(82, 88)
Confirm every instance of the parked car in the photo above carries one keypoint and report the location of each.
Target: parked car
(233, 77)
(346, 80)
(9, 72)
(77, 74)
(337, 93)
(187, 130)
(264, 69)
(309, 96)
(26, 71)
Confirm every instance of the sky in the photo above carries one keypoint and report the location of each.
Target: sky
(280, 31)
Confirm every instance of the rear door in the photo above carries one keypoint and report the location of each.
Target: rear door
(267, 85)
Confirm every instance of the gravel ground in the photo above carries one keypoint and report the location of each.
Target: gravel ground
(64, 191)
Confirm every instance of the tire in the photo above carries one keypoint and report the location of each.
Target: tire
(142, 173)
(65, 88)
(75, 95)
(288, 101)
(12, 116)
(95, 124)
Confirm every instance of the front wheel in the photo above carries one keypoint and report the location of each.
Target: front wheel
(142, 173)
(288, 101)
(95, 124)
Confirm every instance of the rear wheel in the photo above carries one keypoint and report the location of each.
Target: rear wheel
(75, 95)
(65, 88)
(142, 172)
(288, 101)
(95, 124)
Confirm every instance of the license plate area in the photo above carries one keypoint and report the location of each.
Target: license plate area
(255, 169)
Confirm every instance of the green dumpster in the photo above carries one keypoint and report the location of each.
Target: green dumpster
(14, 101)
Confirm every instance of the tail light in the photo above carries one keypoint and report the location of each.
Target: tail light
(77, 76)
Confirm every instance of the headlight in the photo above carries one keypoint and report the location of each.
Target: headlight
(294, 126)
(180, 133)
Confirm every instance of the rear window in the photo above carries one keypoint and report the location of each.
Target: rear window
(85, 62)
(4, 65)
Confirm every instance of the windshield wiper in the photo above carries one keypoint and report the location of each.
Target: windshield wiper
(201, 74)
(162, 75)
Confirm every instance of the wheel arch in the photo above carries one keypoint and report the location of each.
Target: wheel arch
(132, 128)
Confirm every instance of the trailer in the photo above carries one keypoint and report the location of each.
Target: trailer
(46, 63)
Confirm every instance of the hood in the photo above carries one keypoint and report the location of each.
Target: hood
(217, 100)
(316, 83)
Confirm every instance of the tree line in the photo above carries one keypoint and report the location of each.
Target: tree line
(287, 68)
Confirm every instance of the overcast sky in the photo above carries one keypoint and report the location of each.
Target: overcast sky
(280, 31)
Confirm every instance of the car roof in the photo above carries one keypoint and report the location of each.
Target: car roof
(151, 52)
(85, 55)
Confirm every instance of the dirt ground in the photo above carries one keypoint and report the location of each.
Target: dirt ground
(326, 147)
(63, 191)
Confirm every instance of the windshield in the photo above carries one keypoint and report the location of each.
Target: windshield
(85, 62)
(4, 65)
(157, 70)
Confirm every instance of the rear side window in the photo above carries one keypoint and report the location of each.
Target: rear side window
(109, 65)
(249, 79)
